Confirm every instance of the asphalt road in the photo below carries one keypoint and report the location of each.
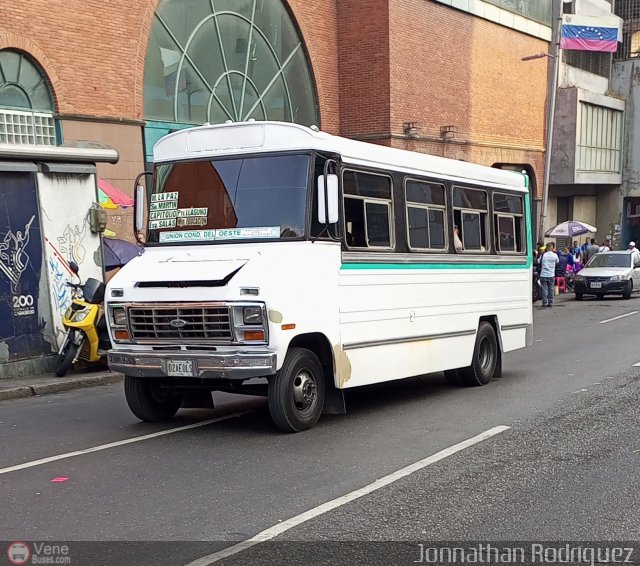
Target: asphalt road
(565, 469)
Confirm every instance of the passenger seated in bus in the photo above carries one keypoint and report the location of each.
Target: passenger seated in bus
(457, 241)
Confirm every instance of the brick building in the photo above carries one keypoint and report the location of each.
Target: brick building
(443, 77)
(438, 76)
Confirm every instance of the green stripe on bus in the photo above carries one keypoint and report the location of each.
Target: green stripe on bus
(435, 265)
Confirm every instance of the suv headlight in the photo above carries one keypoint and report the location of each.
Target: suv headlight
(119, 316)
(252, 315)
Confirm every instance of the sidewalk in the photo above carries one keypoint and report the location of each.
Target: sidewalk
(20, 387)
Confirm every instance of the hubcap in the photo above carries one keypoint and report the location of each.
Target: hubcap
(305, 391)
(485, 355)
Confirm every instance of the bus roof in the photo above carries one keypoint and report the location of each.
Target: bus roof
(206, 142)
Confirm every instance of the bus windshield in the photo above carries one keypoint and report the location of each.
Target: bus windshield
(229, 199)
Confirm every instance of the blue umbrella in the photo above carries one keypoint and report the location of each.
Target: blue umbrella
(116, 253)
(570, 228)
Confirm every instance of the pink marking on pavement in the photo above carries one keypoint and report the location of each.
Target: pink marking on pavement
(59, 479)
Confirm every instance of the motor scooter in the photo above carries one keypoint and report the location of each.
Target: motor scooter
(87, 337)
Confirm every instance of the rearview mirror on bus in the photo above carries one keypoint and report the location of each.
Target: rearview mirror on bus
(328, 199)
(139, 206)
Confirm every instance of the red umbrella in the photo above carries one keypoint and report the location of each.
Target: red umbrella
(115, 194)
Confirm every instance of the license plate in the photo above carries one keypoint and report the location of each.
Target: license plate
(596, 285)
(180, 368)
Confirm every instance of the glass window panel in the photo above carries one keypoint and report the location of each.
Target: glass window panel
(436, 229)
(13, 96)
(365, 185)
(41, 97)
(255, 39)
(276, 102)
(182, 21)
(252, 192)
(192, 97)
(355, 223)
(425, 193)
(10, 61)
(508, 203)
(506, 234)
(471, 231)
(160, 74)
(378, 231)
(469, 198)
(418, 227)
(301, 90)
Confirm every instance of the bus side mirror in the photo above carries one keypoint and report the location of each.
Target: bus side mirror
(328, 203)
(139, 207)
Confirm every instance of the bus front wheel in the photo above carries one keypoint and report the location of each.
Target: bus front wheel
(296, 392)
(485, 358)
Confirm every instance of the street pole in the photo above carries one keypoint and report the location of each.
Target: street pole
(551, 113)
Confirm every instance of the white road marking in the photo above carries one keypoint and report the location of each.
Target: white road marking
(618, 317)
(42, 461)
(636, 365)
(284, 526)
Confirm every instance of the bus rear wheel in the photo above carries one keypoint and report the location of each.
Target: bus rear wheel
(296, 392)
(485, 358)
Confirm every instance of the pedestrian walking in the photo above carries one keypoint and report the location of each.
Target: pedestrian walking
(605, 247)
(592, 250)
(548, 264)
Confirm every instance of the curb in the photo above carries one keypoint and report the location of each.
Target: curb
(47, 388)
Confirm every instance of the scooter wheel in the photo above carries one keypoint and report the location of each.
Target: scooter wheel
(65, 359)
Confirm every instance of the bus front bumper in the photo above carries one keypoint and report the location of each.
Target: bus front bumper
(207, 365)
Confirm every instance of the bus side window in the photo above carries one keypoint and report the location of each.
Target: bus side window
(470, 212)
(367, 210)
(508, 212)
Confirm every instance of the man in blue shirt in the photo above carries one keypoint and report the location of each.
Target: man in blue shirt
(548, 274)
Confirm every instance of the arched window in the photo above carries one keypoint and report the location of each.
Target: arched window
(26, 104)
(218, 60)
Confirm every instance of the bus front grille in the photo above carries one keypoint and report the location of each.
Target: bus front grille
(180, 324)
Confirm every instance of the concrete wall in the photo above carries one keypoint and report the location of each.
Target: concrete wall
(608, 212)
(563, 157)
(584, 208)
(624, 82)
(65, 200)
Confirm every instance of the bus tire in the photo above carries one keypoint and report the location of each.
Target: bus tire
(296, 392)
(148, 401)
(485, 358)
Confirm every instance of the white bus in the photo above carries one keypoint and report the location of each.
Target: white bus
(286, 262)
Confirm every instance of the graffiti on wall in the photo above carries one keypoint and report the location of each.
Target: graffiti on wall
(71, 243)
(60, 273)
(21, 326)
(13, 255)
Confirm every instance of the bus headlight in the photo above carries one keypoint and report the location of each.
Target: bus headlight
(119, 316)
(252, 315)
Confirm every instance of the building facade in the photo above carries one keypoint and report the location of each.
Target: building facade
(588, 138)
(625, 85)
(444, 77)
